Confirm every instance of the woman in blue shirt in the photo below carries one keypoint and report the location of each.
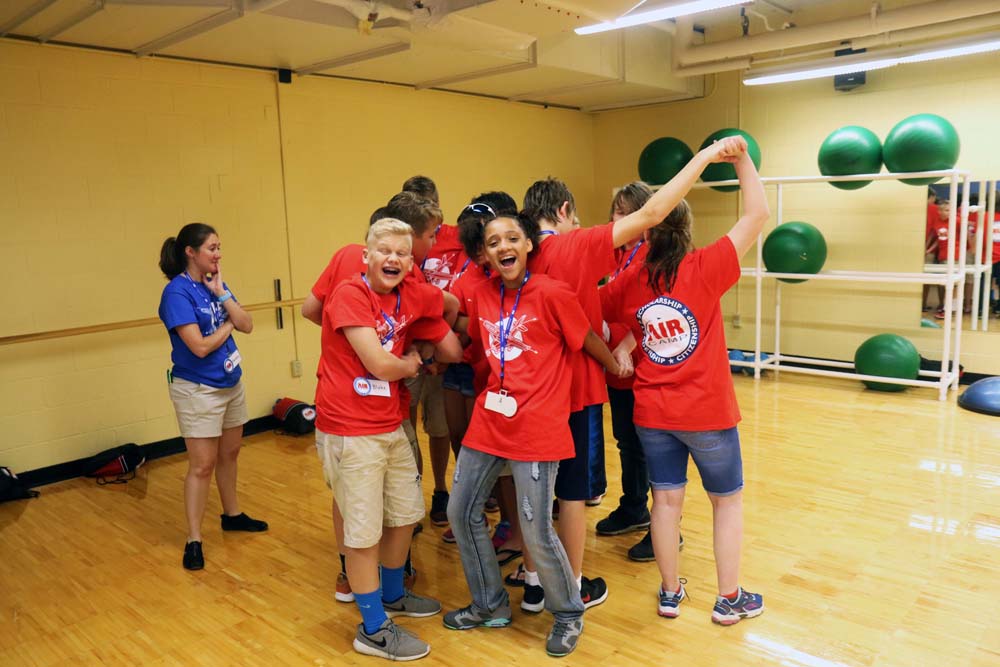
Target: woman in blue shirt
(200, 314)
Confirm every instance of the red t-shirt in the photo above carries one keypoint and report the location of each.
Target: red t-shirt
(446, 258)
(340, 406)
(549, 327)
(348, 262)
(940, 231)
(682, 380)
(625, 258)
(996, 237)
(581, 259)
(464, 289)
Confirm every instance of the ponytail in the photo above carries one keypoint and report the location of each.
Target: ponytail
(173, 257)
(669, 243)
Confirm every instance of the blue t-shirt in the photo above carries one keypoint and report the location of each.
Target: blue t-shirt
(186, 302)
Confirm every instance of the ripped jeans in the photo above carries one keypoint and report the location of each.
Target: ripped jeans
(475, 474)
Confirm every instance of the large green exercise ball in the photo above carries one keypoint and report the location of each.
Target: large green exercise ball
(888, 355)
(662, 158)
(794, 247)
(924, 142)
(848, 151)
(723, 171)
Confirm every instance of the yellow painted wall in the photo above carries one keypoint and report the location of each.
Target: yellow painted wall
(104, 156)
(877, 228)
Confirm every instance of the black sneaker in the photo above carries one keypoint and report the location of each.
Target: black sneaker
(618, 523)
(593, 592)
(534, 599)
(194, 559)
(643, 551)
(439, 508)
(242, 522)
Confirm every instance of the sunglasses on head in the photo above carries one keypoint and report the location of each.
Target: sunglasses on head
(480, 209)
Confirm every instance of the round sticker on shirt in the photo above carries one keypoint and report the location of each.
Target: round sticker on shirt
(228, 365)
(362, 387)
(670, 331)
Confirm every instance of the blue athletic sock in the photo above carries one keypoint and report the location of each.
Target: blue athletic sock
(372, 612)
(392, 583)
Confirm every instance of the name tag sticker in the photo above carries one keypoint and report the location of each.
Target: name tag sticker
(501, 402)
(371, 387)
(232, 361)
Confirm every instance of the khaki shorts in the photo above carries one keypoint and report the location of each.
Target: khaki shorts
(375, 481)
(428, 390)
(204, 411)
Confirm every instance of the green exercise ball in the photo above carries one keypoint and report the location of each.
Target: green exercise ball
(888, 355)
(848, 151)
(723, 171)
(794, 247)
(924, 142)
(662, 158)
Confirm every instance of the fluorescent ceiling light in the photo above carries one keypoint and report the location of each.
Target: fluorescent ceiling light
(872, 61)
(663, 13)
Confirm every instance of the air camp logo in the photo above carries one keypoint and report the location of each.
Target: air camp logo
(515, 330)
(670, 331)
(437, 271)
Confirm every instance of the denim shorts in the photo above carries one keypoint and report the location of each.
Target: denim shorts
(715, 453)
(458, 377)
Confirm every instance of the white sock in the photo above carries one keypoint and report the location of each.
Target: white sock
(531, 578)
(579, 583)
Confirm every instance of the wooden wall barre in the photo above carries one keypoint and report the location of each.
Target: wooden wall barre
(128, 324)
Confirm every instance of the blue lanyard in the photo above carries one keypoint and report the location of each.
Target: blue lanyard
(464, 266)
(504, 333)
(548, 232)
(635, 249)
(385, 316)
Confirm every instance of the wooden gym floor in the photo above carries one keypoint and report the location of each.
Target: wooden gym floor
(872, 529)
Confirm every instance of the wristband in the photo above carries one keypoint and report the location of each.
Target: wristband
(226, 296)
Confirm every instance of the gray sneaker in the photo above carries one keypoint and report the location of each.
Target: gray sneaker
(470, 617)
(564, 637)
(411, 605)
(390, 641)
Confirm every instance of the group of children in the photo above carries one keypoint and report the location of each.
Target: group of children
(508, 303)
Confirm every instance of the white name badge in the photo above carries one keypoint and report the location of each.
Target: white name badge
(501, 402)
(232, 361)
(371, 387)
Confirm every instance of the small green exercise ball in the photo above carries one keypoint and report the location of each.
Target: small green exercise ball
(794, 247)
(888, 355)
(723, 171)
(662, 158)
(848, 151)
(924, 142)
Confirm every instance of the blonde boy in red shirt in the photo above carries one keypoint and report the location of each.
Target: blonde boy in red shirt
(368, 324)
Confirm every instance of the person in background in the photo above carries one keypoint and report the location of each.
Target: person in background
(200, 314)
